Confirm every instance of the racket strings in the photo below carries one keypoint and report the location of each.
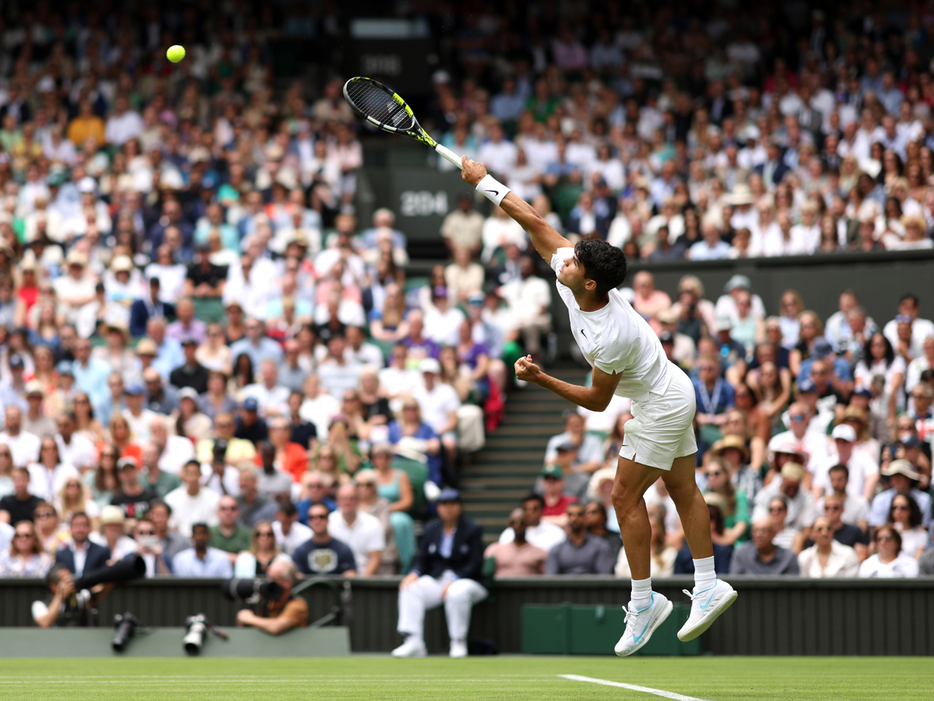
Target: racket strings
(378, 105)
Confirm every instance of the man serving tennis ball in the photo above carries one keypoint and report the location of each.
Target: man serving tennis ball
(628, 360)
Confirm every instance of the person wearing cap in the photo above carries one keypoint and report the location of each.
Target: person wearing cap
(811, 444)
(734, 453)
(13, 388)
(725, 308)
(439, 404)
(788, 486)
(447, 571)
(830, 373)
(147, 306)
(574, 483)
(75, 289)
(249, 425)
(35, 421)
(133, 497)
(556, 501)
(863, 471)
(903, 478)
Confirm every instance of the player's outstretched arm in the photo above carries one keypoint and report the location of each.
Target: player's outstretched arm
(545, 239)
(595, 398)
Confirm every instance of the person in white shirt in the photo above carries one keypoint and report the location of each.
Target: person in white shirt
(827, 557)
(889, 560)
(863, 471)
(498, 152)
(855, 507)
(202, 560)
(273, 398)
(75, 449)
(124, 124)
(361, 531)
(176, 450)
(541, 534)
(336, 372)
(138, 417)
(319, 407)
(439, 404)
(909, 306)
(529, 301)
(289, 532)
(191, 503)
(24, 446)
(360, 350)
(47, 476)
(442, 318)
(627, 359)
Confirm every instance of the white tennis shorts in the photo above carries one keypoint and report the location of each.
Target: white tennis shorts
(662, 426)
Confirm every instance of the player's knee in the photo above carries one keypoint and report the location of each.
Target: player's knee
(624, 497)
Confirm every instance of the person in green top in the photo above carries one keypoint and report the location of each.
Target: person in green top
(231, 537)
(736, 507)
(160, 481)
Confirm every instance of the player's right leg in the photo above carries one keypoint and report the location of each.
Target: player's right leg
(711, 596)
(647, 609)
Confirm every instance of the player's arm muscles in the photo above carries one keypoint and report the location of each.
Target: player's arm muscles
(545, 239)
(595, 398)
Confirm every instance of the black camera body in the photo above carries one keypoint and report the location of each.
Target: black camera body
(125, 627)
(251, 591)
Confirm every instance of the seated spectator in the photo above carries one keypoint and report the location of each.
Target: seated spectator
(361, 531)
(249, 425)
(378, 506)
(256, 344)
(394, 485)
(26, 556)
(170, 540)
(111, 533)
(409, 432)
(273, 482)
(662, 555)
(556, 501)
(238, 449)
(289, 533)
(152, 478)
(785, 536)
(254, 507)
(926, 563)
(322, 554)
(589, 447)
(192, 503)
(862, 470)
(761, 556)
(49, 528)
(439, 404)
(828, 557)
(903, 479)
(158, 562)
(201, 560)
(518, 558)
(190, 423)
(846, 533)
(658, 500)
(528, 301)
(174, 450)
(191, 373)
(289, 458)
(316, 487)
(229, 535)
(79, 554)
(596, 518)
(714, 396)
(447, 570)
(538, 532)
(722, 554)
(889, 560)
(809, 444)
(263, 551)
(905, 517)
(855, 508)
(338, 372)
(736, 507)
(801, 511)
(49, 474)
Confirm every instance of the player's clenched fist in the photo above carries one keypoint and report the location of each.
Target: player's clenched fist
(527, 370)
(473, 172)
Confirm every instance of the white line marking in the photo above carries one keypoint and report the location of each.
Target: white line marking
(631, 687)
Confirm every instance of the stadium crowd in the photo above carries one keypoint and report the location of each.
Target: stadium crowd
(202, 348)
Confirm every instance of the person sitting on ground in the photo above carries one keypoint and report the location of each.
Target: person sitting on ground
(761, 556)
(537, 531)
(518, 558)
(828, 557)
(321, 554)
(889, 560)
(279, 615)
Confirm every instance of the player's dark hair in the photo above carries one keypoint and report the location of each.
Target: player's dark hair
(603, 263)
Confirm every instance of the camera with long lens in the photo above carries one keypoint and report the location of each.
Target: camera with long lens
(198, 627)
(125, 627)
(251, 591)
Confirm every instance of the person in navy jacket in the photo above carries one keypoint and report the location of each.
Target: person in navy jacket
(81, 555)
(447, 571)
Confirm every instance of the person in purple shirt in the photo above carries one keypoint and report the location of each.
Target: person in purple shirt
(419, 347)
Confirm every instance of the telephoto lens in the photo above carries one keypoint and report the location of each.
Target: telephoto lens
(125, 627)
(194, 638)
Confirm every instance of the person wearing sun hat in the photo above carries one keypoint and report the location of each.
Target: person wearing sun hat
(902, 479)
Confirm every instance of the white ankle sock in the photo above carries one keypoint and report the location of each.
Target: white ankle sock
(641, 594)
(705, 576)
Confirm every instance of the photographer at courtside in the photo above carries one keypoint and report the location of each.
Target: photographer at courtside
(284, 613)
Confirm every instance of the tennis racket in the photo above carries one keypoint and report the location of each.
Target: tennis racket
(383, 108)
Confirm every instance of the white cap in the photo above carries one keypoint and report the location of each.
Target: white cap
(844, 432)
(430, 365)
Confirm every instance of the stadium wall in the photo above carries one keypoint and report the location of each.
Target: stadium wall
(773, 616)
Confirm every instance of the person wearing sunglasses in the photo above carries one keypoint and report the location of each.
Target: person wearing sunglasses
(827, 557)
(26, 556)
(158, 563)
(888, 561)
(322, 554)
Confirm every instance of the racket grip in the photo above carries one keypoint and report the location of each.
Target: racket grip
(449, 155)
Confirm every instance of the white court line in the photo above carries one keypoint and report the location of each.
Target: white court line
(631, 687)
(236, 680)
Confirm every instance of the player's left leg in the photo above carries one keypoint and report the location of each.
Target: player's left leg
(711, 596)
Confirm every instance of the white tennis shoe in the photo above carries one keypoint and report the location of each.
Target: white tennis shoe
(412, 647)
(458, 648)
(706, 606)
(642, 623)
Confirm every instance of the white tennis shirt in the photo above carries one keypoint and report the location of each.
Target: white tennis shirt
(616, 339)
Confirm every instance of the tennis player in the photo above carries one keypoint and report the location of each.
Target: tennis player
(628, 360)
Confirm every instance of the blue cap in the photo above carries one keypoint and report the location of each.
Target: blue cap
(821, 348)
(134, 389)
(64, 368)
(449, 494)
(806, 385)
(863, 392)
(250, 404)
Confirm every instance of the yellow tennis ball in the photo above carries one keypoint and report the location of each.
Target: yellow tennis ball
(175, 53)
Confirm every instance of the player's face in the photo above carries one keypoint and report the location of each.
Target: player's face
(571, 273)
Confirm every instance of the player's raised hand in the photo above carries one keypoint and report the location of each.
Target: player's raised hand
(526, 370)
(473, 172)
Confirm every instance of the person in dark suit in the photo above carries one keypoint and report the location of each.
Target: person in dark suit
(447, 571)
(144, 308)
(774, 169)
(81, 555)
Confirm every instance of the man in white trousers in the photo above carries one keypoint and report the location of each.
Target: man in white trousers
(628, 360)
(447, 571)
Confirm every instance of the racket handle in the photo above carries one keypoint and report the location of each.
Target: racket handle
(449, 155)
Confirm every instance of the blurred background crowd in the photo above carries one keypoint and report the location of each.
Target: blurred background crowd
(195, 326)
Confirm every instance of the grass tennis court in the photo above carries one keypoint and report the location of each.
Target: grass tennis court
(442, 679)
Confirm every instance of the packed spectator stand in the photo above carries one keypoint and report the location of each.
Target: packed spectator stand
(198, 329)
